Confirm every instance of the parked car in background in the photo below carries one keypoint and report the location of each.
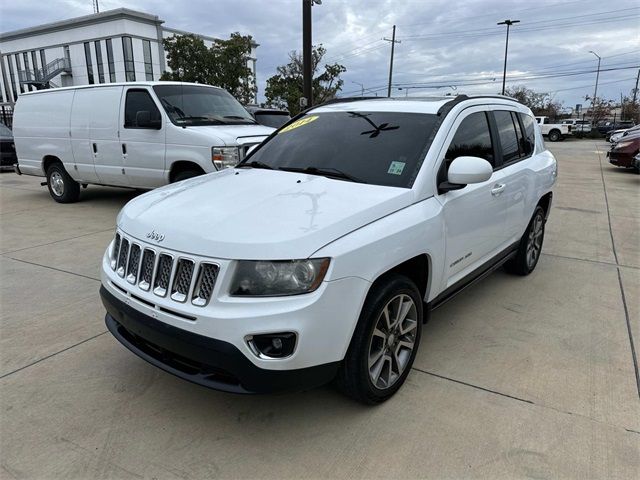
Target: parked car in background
(608, 126)
(623, 152)
(321, 254)
(616, 135)
(580, 126)
(137, 134)
(553, 131)
(7, 149)
(271, 117)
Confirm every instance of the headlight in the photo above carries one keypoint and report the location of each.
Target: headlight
(283, 277)
(224, 157)
(625, 144)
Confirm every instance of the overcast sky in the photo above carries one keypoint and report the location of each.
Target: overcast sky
(444, 42)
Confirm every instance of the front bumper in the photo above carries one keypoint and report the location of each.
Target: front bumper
(620, 158)
(203, 360)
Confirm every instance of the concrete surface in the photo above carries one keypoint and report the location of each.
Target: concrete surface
(517, 378)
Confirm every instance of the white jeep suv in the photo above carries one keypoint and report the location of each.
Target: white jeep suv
(320, 255)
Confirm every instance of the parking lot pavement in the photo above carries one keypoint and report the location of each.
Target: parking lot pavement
(518, 377)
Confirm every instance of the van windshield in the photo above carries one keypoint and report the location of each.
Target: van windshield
(380, 148)
(191, 105)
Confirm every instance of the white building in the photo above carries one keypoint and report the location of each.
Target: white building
(118, 45)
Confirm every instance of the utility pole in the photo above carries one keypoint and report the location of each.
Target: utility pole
(393, 44)
(306, 101)
(635, 90)
(595, 91)
(508, 23)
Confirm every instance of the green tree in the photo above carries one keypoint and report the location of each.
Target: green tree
(285, 88)
(539, 103)
(224, 64)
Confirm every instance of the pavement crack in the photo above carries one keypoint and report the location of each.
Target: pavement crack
(58, 241)
(597, 262)
(54, 268)
(52, 355)
(495, 392)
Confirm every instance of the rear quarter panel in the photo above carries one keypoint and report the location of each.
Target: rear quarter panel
(41, 127)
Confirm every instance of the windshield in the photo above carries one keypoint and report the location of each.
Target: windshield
(381, 148)
(272, 119)
(201, 105)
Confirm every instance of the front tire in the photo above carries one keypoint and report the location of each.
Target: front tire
(530, 246)
(385, 342)
(62, 188)
(185, 175)
(554, 136)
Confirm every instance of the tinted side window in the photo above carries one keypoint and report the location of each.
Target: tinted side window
(473, 139)
(507, 135)
(529, 142)
(139, 101)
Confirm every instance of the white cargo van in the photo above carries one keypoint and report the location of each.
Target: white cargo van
(138, 135)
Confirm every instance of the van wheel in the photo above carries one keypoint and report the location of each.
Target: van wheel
(385, 342)
(554, 136)
(530, 246)
(62, 188)
(186, 174)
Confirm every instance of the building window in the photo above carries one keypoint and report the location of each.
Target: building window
(87, 57)
(27, 69)
(129, 68)
(148, 63)
(12, 76)
(34, 60)
(43, 59)
(18, 68)
(99, 62)
(110, 62)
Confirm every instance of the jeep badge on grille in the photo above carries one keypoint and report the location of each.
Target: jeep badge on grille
(152, 235)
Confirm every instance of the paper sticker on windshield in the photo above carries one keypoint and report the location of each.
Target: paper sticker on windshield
(299, 123)
(396, 168)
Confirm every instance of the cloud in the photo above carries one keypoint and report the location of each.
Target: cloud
(443, 42)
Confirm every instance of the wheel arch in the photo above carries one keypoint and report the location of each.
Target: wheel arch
(183, 166)
(49, 160)
(417, 269)
(545, 203)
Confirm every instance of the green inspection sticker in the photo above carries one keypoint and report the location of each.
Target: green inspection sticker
(396, 168)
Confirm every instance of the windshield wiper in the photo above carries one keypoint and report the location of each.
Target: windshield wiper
(200, 119)
(325, 172)
(255, 164)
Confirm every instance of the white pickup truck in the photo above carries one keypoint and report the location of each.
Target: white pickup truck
(553, 131)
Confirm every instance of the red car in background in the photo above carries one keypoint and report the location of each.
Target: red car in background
(622, 153)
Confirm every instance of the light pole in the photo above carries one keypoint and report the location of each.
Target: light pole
(361, 86)
(307, 72)
(508, 23)
(595, 91)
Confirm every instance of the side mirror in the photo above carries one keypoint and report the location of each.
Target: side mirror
(143, 120)
(466, 170)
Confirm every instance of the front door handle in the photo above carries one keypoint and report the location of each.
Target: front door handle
(95, 148)
(124, 148)
(497, 189)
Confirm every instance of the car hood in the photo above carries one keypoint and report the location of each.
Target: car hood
(257, 214)
(231, 135)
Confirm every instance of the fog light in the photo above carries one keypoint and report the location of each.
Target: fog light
(272, 345)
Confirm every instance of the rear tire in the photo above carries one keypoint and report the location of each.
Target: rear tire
(385, 342)
(554, 136)
(62, 188)
(530, 247)
(185, 175)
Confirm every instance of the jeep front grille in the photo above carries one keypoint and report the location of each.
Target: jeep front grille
(163, 272)
(146, 270)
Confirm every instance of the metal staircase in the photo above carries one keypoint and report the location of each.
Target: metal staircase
(41, 77)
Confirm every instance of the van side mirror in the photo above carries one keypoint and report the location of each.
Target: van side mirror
(464, 171)
(143, 120)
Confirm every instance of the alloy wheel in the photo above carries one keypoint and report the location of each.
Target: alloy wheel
(393, 341)
(534, 242)
(57, 184)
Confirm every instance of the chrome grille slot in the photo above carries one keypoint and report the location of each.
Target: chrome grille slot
(204, 284)
(163, 274)
(115, 252)
(182, 280)
(133, 264)
(146, 270)
(122, 257)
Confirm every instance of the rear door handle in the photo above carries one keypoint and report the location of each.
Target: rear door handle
(95, 148)
(497, 189)
(124, 148)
